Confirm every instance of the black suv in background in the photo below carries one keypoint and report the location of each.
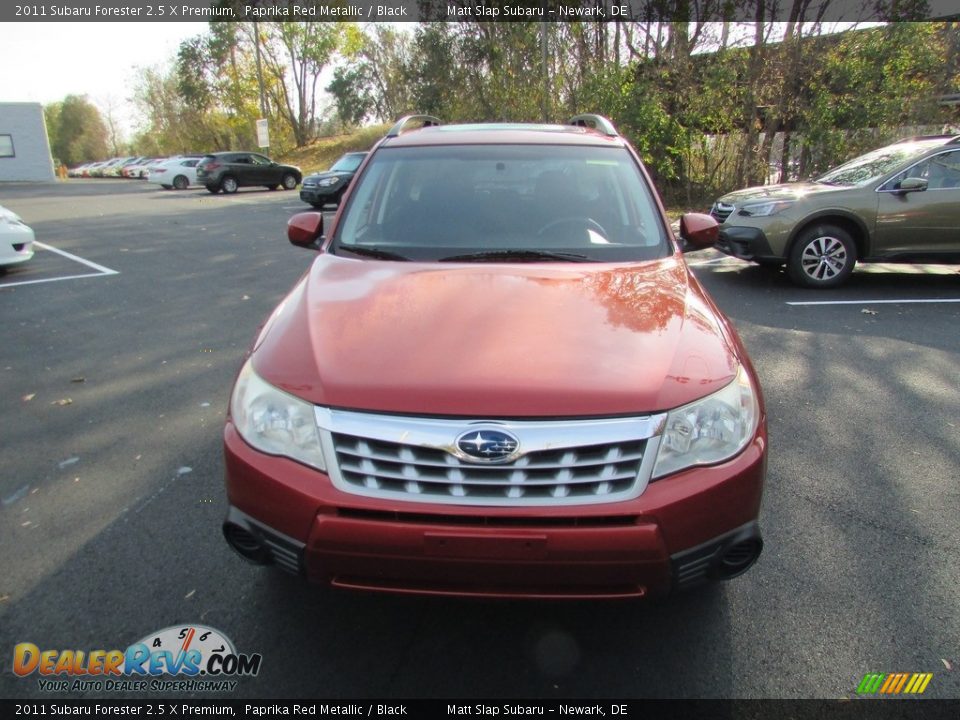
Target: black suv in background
(329, 186)
(228, 171)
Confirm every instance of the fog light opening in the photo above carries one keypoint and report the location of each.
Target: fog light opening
(246, 544)
(738, 558)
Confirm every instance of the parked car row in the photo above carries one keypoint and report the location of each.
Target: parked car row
(127, 167)
(219, 171)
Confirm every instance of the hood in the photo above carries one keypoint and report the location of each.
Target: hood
(484, 340)
(786, 191)
(9, 215)
(329, 173)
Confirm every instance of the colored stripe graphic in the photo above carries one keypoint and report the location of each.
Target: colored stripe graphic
(919, 683)
(870, 683)
(894, 683)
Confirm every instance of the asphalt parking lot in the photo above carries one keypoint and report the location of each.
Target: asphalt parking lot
(120, 343)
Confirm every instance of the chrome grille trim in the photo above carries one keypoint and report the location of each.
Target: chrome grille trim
(561, 462)
(721, 211)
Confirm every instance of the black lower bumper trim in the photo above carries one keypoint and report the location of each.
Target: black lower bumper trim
(705, 562)
(284, 552)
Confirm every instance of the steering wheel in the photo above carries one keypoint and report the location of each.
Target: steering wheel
(588, 223)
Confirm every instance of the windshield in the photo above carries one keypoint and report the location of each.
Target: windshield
(503, 202)
(348, 163)
(874, 165)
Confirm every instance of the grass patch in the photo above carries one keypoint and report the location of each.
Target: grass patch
(323, 152)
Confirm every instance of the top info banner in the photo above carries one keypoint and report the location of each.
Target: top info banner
(465, 11)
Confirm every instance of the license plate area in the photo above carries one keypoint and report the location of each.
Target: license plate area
(490, 547)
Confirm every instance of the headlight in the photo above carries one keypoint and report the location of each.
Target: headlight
(764, 209)
(273, 421)
(328, 182)
(709, 430)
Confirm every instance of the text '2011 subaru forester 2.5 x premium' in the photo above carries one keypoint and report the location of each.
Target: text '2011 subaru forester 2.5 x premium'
(498, 378)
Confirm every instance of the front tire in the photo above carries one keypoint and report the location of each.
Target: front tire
(289, 181)
(822, 257)
(180, 182)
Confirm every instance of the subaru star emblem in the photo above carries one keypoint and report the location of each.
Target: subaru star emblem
(487, 445)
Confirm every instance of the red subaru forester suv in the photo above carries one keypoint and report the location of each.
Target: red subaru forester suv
(498, 378)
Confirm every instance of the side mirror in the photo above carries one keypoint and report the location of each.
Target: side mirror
(913, 184)
(698, 231)
(306, 230)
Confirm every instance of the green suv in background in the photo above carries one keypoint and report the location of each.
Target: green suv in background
(900, 203)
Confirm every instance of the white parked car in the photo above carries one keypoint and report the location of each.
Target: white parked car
(16, 239)
(179, 173)
(139, 168)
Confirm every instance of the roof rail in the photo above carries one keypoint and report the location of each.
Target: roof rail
(401, 125)
(597, 122)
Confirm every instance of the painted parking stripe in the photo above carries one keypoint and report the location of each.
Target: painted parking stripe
(101, 270)
(57, 279)
(877, 302)
(714, 261)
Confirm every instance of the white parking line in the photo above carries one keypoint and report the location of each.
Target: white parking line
(714, 261)
(101, 270)
(876, 302)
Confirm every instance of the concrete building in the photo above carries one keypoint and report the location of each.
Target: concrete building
(24, 147)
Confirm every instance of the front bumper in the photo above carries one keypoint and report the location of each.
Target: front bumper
(314, 194)
(677, 533)
(746, 243)
(17, 240)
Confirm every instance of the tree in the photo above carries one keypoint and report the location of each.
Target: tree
(375, 82)
(51, 117)
(294, 56)
(80, 135)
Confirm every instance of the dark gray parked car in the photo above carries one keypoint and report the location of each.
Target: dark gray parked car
(329, 186)
(229, 171)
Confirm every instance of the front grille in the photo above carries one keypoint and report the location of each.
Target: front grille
(721, 211)
(559, 462)
(572, 472)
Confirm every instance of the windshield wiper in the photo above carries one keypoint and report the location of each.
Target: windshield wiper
(372, 252)
(533, 255)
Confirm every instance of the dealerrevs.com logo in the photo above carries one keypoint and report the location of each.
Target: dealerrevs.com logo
(201, 658)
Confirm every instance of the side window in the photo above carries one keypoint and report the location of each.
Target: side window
(942, 172)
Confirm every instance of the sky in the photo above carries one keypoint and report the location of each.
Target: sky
(44, 62)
